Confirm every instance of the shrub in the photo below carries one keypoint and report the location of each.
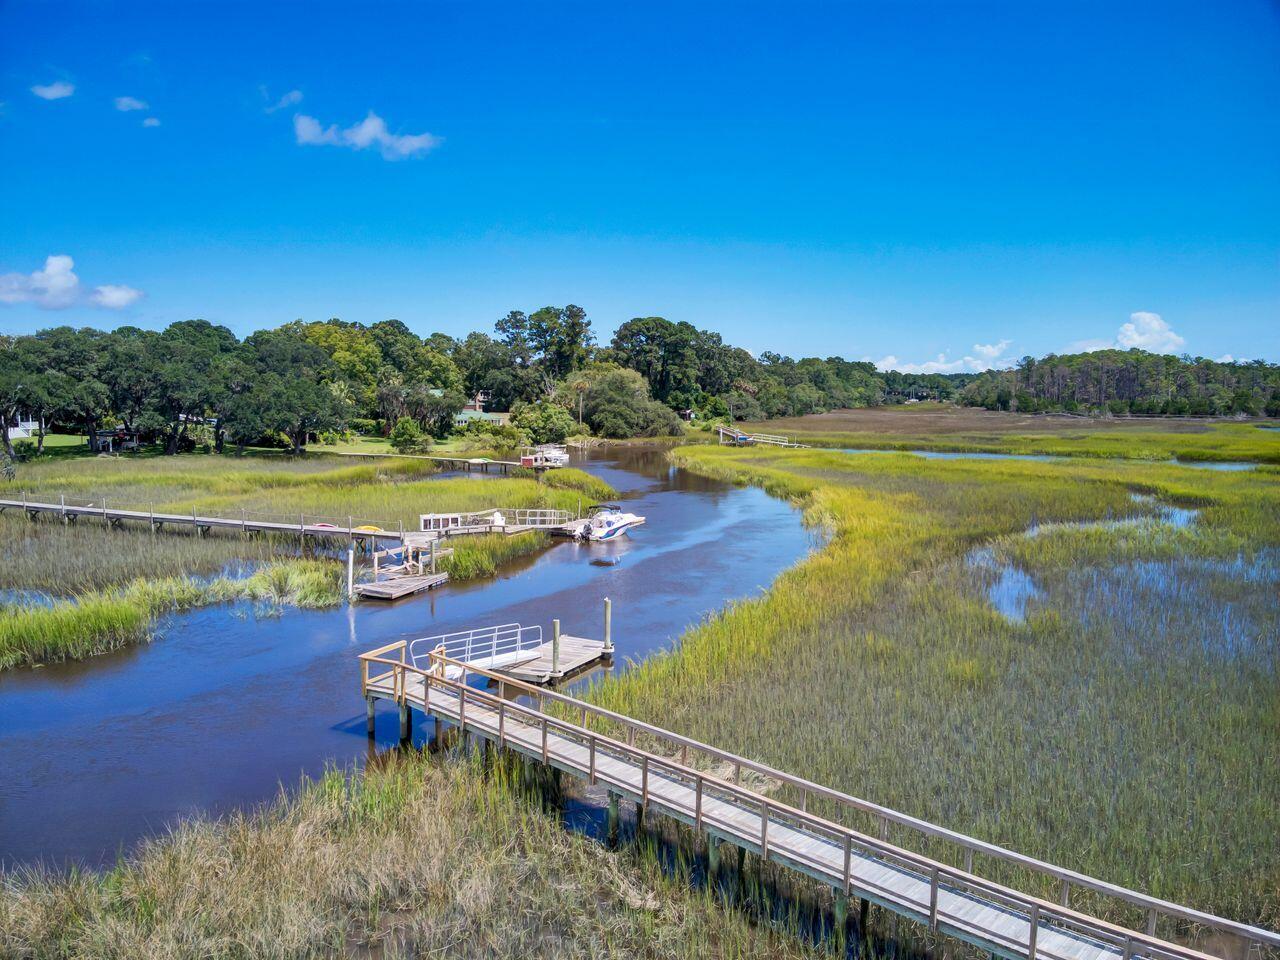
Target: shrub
(543, 422)
(364, 426)
(482, 434)
(407, 436)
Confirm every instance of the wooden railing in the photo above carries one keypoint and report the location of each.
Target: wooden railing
(1127, 942)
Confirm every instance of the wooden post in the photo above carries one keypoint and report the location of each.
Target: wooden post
(368, 715)
(841, 919)
(375, 566)
(405, 725)
(351, 571)
(613, 818)
(713, 858)
(433, 556)
(555, 648)
(608, 626)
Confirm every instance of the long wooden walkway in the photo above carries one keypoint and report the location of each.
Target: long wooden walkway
(313, 527)
(671, 774)
(739, 438)
(463, 464)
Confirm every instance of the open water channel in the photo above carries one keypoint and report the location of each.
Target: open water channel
(228, 703)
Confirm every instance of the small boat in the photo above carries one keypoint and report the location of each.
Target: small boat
(608, 522)
(545, 455)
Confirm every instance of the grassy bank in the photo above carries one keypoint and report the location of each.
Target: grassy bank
(1118, 729)
(418, 857)
(103, 620)
(967, 430)
(111, 584)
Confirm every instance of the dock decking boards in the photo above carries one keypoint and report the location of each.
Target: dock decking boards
(397, 587)
(575, 654)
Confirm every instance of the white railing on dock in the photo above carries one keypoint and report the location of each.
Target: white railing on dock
(483, 646)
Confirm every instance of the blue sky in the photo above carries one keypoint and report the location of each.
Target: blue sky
(933, 186)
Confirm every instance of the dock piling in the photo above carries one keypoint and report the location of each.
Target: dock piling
(368, 715)
(608, 626)
(613, 818)
(841, 920)
(406, 727)
(555, 648)
(351, 571)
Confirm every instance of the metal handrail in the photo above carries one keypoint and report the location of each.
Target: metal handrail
(1153, 906)
(1132, 942)
(480, 643)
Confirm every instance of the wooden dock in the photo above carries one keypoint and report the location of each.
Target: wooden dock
(548, 663)
(738, 438)
(400, 586)
(461, 464)
(673, 775)
(70, 512)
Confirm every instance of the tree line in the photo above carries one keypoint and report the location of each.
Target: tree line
(306, 379)
(1124, 382)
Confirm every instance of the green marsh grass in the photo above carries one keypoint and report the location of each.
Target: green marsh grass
(967, 430)
(105, 571)
(879, 666)
(99, 621)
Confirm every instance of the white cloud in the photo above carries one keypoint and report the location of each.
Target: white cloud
(114, 296)
(125, 104)
(54, 91)
(57, 287)
(288, 100)
(985, 356)
(371, 131)
(1146, 331)
(54, 287)
(151, 122)
(989, 351)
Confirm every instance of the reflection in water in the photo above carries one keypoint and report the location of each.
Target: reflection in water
(230, 702)
(1011, 589)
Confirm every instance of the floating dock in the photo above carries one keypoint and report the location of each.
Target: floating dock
(517, 651)
(549, 662)
(400, 586)
(413, 572)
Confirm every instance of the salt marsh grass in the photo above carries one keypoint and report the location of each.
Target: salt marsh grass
(1108, 732)
(98, 621)
(417, 857)
(944, 428)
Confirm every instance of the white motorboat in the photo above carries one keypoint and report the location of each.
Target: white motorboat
(545, 455)
(608, 522)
